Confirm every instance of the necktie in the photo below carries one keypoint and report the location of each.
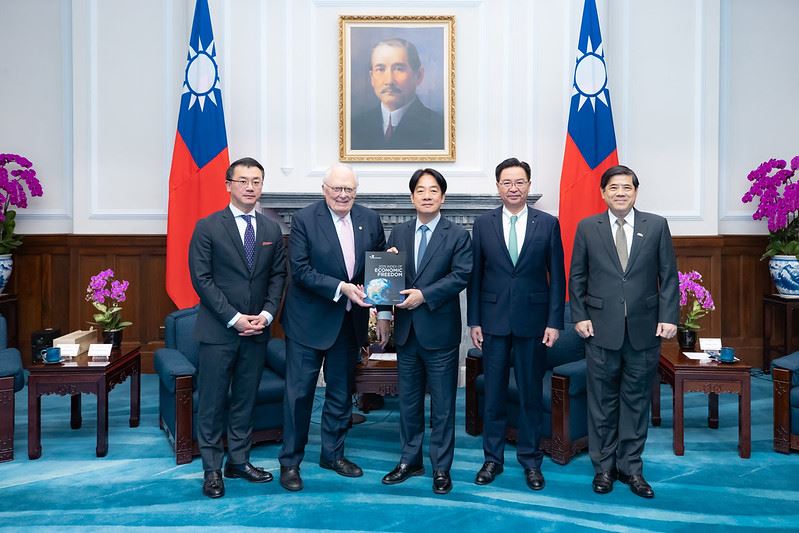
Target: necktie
(249, 242)
(621, 243)
(347, 240)
(389, 129)
(513, 246)
(422, 245)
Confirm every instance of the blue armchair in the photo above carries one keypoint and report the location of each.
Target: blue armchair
(176, 365)
(785, 371)
(565, 420)
(12, 379)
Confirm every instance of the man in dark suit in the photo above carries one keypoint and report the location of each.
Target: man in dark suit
(427, 328)
(325, 319)
(516, 297)
(624, 294)
(401, 121)
(238, 268)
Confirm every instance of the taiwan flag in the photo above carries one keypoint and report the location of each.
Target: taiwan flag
(200, 158)
(591, 139)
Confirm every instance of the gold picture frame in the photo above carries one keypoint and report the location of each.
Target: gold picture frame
(396, 88)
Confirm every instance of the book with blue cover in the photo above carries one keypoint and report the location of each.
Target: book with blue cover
(384, 278)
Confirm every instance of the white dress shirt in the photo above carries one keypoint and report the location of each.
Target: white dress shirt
(396, 115)
(521, 227)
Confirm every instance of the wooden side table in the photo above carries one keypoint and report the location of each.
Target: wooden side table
(774, 307)
(375, 378)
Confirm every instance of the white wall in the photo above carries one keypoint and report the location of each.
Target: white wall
(702, 91)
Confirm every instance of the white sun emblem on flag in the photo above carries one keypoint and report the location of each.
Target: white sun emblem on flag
(202, 74)
(590, 76)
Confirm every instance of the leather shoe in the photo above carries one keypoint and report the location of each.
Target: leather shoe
(638, 485)
(402, 472)
(442, 483)
(534, 477)
(213, 485)
(247, 471)
(343, 467)
(488, 472)
(290, 478)
(603, 482)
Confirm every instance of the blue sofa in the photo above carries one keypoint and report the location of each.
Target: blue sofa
(176, 365)
(785, 371)
(12, 379)
(565, 420)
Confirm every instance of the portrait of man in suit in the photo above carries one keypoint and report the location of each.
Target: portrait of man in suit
(516, 297)
(325, 319)
(624, 294)
(238, 269)
(427, 328)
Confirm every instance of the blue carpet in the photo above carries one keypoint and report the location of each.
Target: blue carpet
(138, 484)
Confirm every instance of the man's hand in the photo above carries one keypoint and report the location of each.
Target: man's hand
(383, 331)
(413, 299)
(354, 293)
(249, 325)
(476, 333)
(584, 328)
(550, 337)
(393, 250)
(665, 330)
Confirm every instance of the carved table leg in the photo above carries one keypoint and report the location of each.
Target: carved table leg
(713, 410)
(745, 419)
(135, 394)
(102, 419)
(75, 417)
(679, 441)
(34, 421)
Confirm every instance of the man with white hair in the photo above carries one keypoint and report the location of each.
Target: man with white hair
(325, 319)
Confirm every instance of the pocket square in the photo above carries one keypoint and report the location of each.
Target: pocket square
(266, 243)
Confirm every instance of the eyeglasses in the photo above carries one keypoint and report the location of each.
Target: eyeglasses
(519, 184)
(339, 190)
(241, 182)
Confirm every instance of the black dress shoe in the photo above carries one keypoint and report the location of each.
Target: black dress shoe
(534, 478)
(442, 483)
(402, 472)
(247, 471)
(638, 485)
(290, 478)
(213, 485)
(603, 482)
(488, 472)
(343, 467)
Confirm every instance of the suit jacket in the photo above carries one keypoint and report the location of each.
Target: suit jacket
(521, 300)
(442, 275)
(421, 128)
(225, 284)
(310, 316)
(599, 289)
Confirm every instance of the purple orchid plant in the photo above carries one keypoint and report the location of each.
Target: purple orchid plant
(772, 181)
(690, 286)
(15, 171)
(106, 293)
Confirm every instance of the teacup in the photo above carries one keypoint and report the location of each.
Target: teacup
(727, 354)
(51, 354)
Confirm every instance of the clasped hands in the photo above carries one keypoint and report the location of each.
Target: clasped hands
(249, 325)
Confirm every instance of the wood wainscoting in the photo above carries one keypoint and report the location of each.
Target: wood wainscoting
(51, 273)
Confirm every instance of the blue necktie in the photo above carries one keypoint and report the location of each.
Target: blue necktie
(249, 242)
(422, 245)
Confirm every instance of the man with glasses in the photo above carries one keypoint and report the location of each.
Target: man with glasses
(238, 268)
(516, 297)
(325, 320)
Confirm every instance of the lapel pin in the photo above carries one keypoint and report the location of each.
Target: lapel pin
(640, 234)
(360, 228)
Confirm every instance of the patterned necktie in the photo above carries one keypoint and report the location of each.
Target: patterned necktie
(422, 245)
(621, 243)
(513, 246)
(389, 130)
(249, 242)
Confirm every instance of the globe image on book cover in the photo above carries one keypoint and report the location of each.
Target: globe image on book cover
(378, 291)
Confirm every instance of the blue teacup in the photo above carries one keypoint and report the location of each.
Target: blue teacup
(51, 354)
(727, 354)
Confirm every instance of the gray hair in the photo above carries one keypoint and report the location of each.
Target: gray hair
(339, 166)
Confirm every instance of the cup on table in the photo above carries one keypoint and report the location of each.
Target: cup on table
(727, 354)
(51, 354)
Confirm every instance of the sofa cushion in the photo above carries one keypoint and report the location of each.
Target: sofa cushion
(11, 365)
(179, 327)
(276, 356)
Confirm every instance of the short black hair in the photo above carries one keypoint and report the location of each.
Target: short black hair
(618, 170)
(442, 183)
(512, 162)
(248, 162)
(410, 49)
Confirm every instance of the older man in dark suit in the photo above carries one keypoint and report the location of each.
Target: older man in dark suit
(238, 268)
(516, 296)
(624, 294)
(325, 319)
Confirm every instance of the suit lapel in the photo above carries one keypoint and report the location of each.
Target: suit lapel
(437, 239)
(496, 219)
(232, 229)
(528, 235)
(604, 235)
(260, 237)
(639, 235)
(409, 242)
(360, 246)
(329, 231)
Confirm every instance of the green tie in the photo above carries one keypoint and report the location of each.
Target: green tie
(513, 247)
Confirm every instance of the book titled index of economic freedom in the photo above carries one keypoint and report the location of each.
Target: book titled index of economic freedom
(384, 278)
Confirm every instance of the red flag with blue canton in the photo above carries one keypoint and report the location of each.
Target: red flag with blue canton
(200, 157)
(591, 139)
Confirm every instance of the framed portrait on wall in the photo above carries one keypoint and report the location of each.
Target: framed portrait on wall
(397, 88)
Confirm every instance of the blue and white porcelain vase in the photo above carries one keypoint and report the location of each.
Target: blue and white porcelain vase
(784, 270)
(6, 265)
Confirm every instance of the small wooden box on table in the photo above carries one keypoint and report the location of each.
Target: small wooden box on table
(712, 378)
(84, 376)
(778, 310)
